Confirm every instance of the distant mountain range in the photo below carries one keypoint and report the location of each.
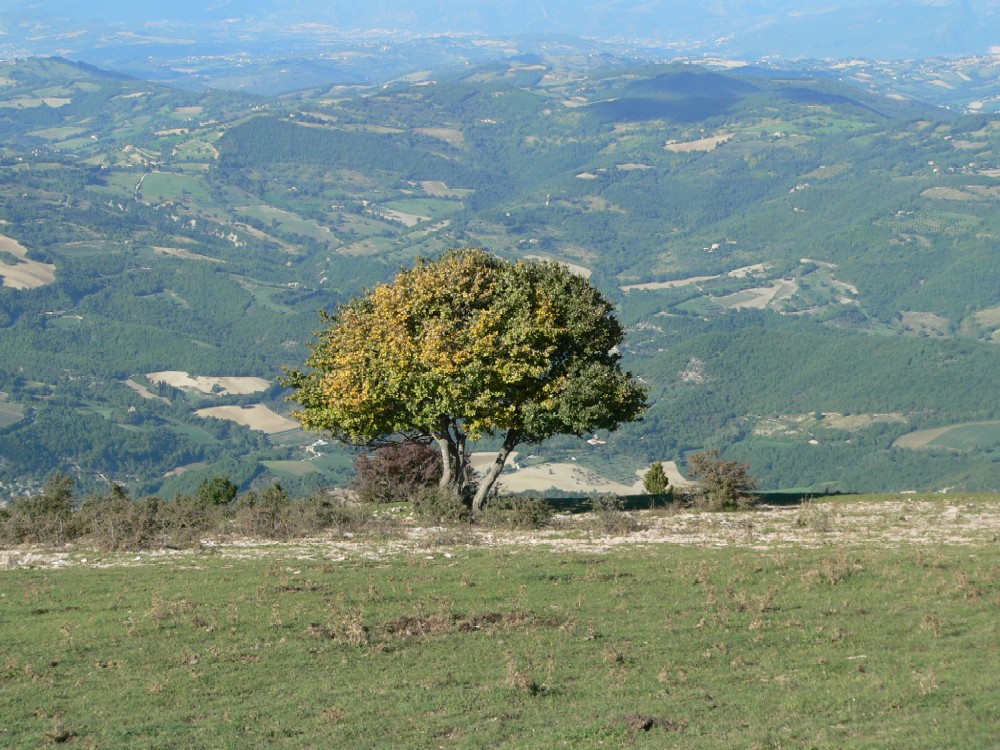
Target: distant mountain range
(755, 28)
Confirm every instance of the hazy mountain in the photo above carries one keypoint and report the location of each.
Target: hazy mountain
(837, 28)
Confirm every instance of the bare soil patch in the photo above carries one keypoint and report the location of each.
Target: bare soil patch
(144, 391)
(702, 144)
(566, 476)
(222, 385)
(407, 220)
(760, 297)
(449, 135)
(26, 274)
(257, 417)
(737, 273)
(186, 254)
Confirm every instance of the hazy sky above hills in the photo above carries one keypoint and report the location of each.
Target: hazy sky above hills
(754, 28)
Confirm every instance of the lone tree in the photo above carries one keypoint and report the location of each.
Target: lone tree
(465, 346)
(655, 480)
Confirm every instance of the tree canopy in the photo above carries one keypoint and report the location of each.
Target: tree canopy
(464, 346)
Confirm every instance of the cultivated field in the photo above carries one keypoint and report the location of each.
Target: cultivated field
(856, 623)
(25, 274)
(185, 254)
(737, 273)
(965, 436)
(225, 386)
(758, 298)
(257, 417)
(702, 144)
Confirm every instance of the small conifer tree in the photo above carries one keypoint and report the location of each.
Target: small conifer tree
(655, 480)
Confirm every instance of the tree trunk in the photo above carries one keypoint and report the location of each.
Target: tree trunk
(487, 482)
(456, 474)
(446, 465)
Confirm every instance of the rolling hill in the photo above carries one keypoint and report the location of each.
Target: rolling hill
(807, 268)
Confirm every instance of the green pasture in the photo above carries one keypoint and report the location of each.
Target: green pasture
(433, 207)
(197, 149)
(121, 184)
(353, 225)
(263, 295)
(192, 432)
(932, 222)
(10, 413)
(968, 437)
(511, 647)
(166, 186)
(57, 134)
(324, 464)
(286, 221)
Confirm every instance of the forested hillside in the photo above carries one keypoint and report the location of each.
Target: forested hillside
(807, 269)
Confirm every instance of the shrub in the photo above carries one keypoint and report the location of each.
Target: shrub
(218, 490)
(517, 512)
(396, 472)
(610, 515)
(265, 514)
(46, 518)
(721, 484)
(113, 521)
(440, 506)
(189, 518)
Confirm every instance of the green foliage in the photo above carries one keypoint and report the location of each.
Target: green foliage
(655, 481)
(466, 346)
(721, 484)
(219, 490)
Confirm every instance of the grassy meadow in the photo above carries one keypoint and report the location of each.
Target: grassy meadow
(825, 625)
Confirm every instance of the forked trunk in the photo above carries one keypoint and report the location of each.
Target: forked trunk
(493, 473)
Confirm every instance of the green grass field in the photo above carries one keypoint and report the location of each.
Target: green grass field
(823, 644)
(289, 222)
(195, 433)
(969, 437)
(10, 414)
(433, 207)
(960, 437)
(326, 463)
(158, 187)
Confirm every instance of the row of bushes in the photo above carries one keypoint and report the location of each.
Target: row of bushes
(114, 521)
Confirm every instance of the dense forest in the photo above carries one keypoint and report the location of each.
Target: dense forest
(806, 269)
